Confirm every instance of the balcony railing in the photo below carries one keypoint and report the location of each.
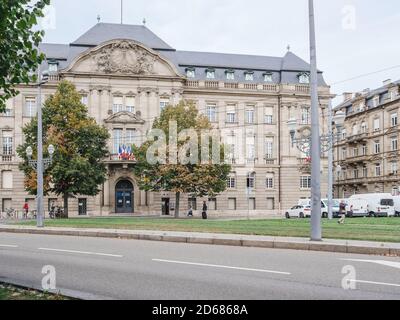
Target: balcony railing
(6, 158)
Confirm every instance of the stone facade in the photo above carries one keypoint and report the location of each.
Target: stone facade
(367, 156)
(125, 84)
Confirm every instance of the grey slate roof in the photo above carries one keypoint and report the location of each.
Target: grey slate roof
(382, 92)
(284, 69)
(103, 32)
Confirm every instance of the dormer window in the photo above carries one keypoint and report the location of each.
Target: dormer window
(190, 72)
(304, 78)
(230, 75)
(375, 101)
(53, 66)
(249, 76)
(210, 74)
(268, 77)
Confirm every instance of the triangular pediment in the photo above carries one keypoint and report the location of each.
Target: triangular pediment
(124, 117)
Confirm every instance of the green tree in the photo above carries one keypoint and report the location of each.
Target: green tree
(195, 177)
(80, 143)
(18, 44)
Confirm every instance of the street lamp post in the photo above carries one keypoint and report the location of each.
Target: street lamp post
(325, 143)
(39, 166)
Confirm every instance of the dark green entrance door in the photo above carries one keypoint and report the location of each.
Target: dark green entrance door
(124, 197)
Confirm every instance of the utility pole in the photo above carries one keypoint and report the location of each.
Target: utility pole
(39, 200)
(330, 161)
(122, 11)
(316, 232)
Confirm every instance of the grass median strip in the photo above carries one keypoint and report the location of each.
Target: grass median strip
(10, 292)
(369, 229)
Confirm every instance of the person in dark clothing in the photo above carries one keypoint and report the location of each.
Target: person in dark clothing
(190, 212)
(204, 211)
(342, 212)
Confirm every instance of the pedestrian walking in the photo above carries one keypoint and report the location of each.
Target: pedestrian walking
(204, 211)
(342, 212)
(190, 212)
(26, 209)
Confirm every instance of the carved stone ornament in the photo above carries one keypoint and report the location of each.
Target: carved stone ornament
(124, 57)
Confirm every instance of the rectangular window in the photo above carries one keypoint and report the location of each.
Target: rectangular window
(82, 207)
(393, 120)
(117, 140)
(378, 170)
(269, 115)
(305, 182)
(190, 73)
(6, 179)
(84, 100)
(230, 76)
(130, 104)
(117, 104)
(269, 148)
(394, 143)
(210, 74)
(355, 152)
(232, 204)
(212, 204)
(365, 172)
(344, 154)
(7, 144)
(163, 104)
(269, 182)
(212, 113)
(356, 173)
(30, 107)
(249, 76)
(192, 203)
(394, 167)
(377, 147)
(250, 115)
(133, 137)
(231, 114)
(364, 150)
(363, 127)
(231, 183)
(377, 126)
(6, 204)
(53, 67)
(268, 77)
(251, 181)
(305, 116)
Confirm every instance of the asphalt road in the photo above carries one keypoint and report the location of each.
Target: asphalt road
(97, 268)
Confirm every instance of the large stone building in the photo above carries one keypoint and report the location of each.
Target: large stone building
(126, 75)
(367, 156)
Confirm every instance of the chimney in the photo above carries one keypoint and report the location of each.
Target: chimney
(387, 82)
(366, 91)
(347, 96)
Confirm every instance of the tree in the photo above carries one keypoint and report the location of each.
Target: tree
(198, 178)
(80, 143)
(18, 44)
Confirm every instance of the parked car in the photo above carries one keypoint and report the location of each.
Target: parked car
(396, 200)
(324, 206)
(357, 208)
(379, 204)
(298, 211)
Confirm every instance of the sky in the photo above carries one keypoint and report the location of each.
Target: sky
(354, 37)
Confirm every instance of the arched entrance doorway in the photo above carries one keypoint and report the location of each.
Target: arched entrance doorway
(124, 197)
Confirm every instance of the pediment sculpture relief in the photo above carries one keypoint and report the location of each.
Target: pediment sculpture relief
(124, 57)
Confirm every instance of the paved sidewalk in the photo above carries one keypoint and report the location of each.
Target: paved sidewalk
(330, 245)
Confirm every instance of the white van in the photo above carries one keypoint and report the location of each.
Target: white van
(357, 208)
(379, 204)
(397, 205)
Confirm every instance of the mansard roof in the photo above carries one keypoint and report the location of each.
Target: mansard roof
(284, 69)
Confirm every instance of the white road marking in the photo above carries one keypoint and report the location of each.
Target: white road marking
(82, 252)
(381, 262)
(221, 266)
(8, 246)
(377, 283)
